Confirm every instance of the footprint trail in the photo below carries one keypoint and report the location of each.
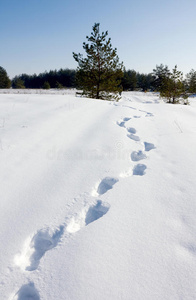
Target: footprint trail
(46, 239)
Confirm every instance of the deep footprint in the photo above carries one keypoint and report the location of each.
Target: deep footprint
(131, 130)
(120, 123)
(34, 250)
(137, 155)
(149, 146)
(106, 184)
(126, 119)
(95, 212)
(27, 292)
(134, 137)
(87, 216)
(139, 170)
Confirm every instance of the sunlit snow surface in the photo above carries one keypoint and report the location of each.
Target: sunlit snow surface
(97, 198)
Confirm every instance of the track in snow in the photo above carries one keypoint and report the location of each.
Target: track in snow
(27, 292)
(87, 216)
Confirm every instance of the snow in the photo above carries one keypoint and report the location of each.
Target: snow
(98, 198)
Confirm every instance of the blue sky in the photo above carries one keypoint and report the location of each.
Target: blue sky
(40, 35)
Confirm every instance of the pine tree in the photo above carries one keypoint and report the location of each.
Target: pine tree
(160, 74)
(59, 85)
(173, 87)
(18, 83)
(129, 81)
(99, 74)
(191, 81)
(46, 85)
(5, 82)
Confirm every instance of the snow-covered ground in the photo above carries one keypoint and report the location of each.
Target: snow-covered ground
(97, 199)
(39, 91)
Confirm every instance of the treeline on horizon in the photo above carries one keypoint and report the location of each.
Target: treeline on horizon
(66, 78)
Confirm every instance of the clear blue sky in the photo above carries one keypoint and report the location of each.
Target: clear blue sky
(40, 35)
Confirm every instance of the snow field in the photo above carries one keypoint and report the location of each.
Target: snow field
(98, 198)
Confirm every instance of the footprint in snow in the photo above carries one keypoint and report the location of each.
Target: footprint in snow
(186, 250)
(191, 248)
(35, 248)
(138, 155)
(87, 216)
(131, 130)
(105, 185)
(122, 123)
(27, 292)
(149, 146)
(149, 115)
(139, 170)
(126, 119)
(133, 137)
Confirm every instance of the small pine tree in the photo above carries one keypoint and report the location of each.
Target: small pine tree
(172, 87)
(59, 85)
(99, 74)
(46, 85)
(129, 81)
(18, 83)
(5, 82)
(191, 81)
(159, 76)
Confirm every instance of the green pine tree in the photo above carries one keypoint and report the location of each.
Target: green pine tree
(18, 83)
(99, 73)
(5, 82)
(160, 74)
(59, 85)
(129, 81)
(191, 81)
(46, 85)
(173, 87)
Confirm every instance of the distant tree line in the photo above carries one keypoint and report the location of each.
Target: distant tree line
(133, 81)
(170, 84)
(64, 78)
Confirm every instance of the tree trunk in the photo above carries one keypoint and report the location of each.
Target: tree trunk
(97, 97)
